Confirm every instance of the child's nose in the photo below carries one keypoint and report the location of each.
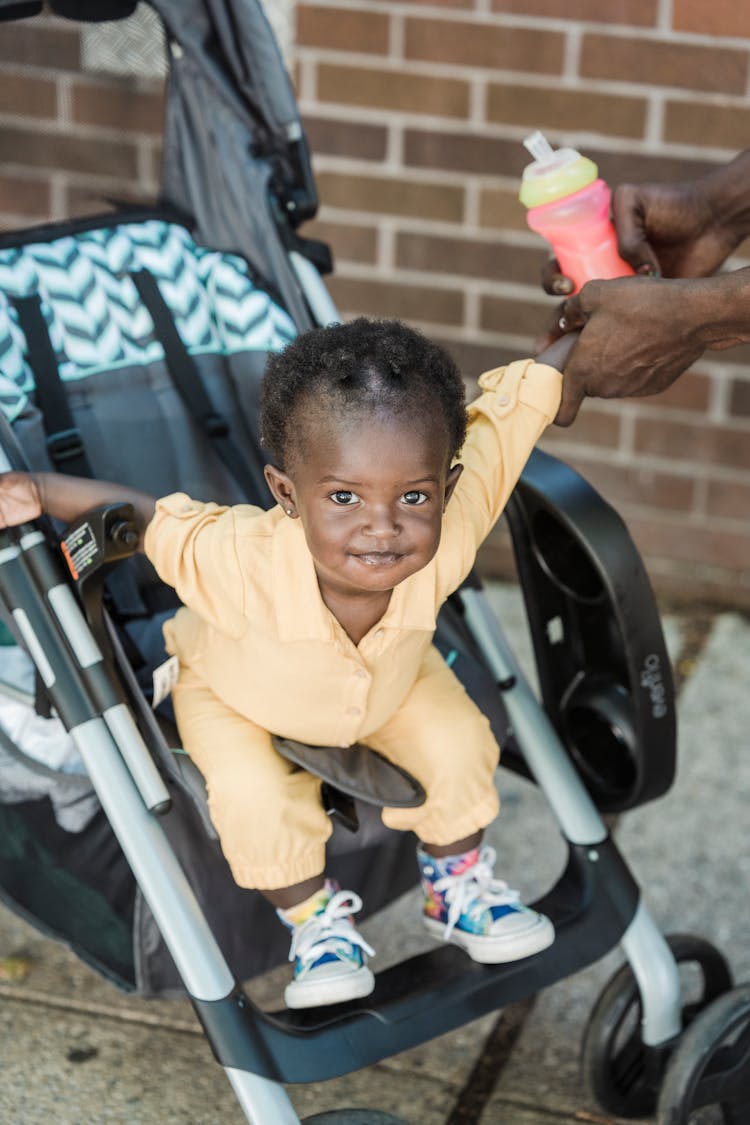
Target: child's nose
(382, 521)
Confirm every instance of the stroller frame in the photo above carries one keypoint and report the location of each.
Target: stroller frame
(594, 905)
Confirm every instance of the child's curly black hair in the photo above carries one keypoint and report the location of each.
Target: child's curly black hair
(364, 365)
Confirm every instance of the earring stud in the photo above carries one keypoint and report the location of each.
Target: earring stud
(290, 511)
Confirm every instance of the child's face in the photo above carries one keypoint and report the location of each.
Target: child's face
(370, 494)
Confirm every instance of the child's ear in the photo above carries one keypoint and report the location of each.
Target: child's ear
(451, 482)
(282, 488)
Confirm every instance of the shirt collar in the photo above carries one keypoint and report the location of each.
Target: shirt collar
(301, 613)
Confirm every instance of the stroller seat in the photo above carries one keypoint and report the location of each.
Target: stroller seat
(131, 348)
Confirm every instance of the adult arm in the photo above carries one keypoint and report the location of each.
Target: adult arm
(639, 334)
(25, 496)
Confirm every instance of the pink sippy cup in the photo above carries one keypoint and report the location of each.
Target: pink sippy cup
(569, 206)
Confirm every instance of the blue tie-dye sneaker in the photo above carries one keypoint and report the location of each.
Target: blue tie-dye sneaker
(329, 954)
(466, 905)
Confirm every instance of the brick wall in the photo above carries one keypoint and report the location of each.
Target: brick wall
(70, 138)
(416, 113)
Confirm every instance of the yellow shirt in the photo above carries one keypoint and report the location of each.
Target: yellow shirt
(255, 628)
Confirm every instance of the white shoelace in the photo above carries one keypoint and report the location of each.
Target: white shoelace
(325, 932)
(474, 890)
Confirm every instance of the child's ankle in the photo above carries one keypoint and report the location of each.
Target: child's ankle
(314, 904)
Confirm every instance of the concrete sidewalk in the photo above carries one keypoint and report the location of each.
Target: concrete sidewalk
(77, 1052)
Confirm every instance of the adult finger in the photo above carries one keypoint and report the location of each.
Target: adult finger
(629, 211)
(572, 396)
(570, 315)
(554, 281)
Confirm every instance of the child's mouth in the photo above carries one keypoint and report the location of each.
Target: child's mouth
(378, 558)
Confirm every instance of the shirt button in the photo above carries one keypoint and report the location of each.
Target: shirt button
(504, 400)
(378, 632)
(361, 673)
(354, 711)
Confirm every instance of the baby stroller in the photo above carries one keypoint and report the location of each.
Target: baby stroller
(132, 345)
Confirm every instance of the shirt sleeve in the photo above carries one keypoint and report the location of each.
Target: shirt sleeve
(517, 404)
(193, 547)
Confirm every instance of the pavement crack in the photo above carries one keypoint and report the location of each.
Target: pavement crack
(494, 1056)
(85, 1008)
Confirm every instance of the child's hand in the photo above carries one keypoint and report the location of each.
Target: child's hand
(19, 499)
(556, 354)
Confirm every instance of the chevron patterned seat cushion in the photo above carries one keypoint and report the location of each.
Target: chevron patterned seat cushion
(133, 420)
(95, 318)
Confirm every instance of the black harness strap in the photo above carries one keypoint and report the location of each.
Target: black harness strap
(63, 437)
(247, 469)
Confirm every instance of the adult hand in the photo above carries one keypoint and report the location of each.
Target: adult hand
(637, 335)
(676, 230)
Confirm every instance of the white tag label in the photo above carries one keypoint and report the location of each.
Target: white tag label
(164, 679)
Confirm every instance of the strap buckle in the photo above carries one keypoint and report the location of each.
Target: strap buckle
(65, 444)
(215, 425)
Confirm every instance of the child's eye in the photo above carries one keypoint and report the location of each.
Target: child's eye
(414, 497)
(343, 497)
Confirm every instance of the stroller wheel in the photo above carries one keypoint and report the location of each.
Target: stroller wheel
(354, 1117)
(711, 1066)
(623, 1073)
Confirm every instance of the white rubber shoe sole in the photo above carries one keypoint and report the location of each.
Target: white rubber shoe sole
(330, 984)
(524, 934)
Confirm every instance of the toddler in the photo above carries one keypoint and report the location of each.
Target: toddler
(314, 621)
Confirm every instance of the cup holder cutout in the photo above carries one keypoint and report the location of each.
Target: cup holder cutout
(564, 560)
(600, 737)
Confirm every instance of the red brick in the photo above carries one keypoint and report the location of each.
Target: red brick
(691, 442)
(534, 107)
(391, 196)
(720, 17)
(473, 359)
(346, 138)
(739, 398)
(341, 30)
(119, 105)
(27, 96)
(24, 197)
(475, 258)
(24, 44)
(459, 4)
(623, 484)
(57, 150)
(719, 70)
(593, 426)
(485, 45)
(691, 541)
(500, 209)
(696, 123)
(83, 201)
(517, 318)
(729, 499)
(392, 89)
(636, 12)
(348, 241)
(464, 152)
(387, 298)
(692, 391)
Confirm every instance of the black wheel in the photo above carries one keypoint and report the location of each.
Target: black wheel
(710, 1067)
(354, 1117)
(623, 1073)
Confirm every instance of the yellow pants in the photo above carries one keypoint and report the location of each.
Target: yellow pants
(267, 811)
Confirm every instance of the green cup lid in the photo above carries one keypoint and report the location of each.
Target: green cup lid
(554, 173)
